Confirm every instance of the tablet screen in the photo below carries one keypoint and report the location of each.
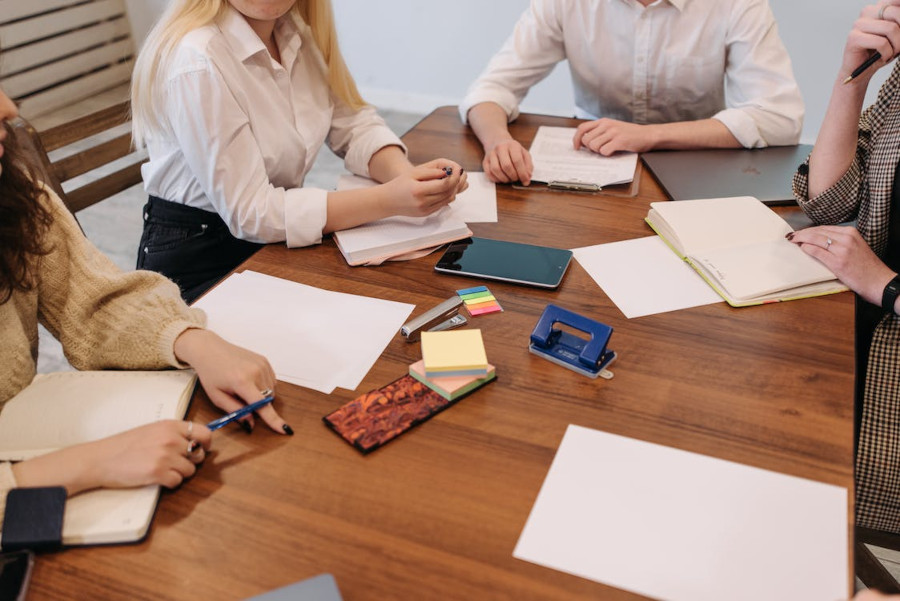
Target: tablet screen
(507, 261)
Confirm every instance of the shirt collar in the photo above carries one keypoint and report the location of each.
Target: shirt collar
(244, 41)
(678, 4)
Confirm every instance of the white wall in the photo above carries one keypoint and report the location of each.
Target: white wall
(415, 55)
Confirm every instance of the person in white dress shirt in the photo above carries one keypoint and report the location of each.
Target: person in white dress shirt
(233, 100)
(648, 74)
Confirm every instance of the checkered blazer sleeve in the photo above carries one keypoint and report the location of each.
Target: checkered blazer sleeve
(840, 202)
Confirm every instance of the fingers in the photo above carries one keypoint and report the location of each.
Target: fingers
(508, 161)
(267, 413)
(581, 131)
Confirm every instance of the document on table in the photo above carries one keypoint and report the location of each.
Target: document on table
(478, 204)
(312, 337)
(556, 160)
(674, 525)
(644, 277)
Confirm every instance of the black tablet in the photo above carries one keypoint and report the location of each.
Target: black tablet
(527, 264)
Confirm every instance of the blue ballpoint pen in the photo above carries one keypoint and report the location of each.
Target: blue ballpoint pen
(227, 419)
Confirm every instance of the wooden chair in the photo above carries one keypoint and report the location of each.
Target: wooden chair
(99, 143)
(868, 568)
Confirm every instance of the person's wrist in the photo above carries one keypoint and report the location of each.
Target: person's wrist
(890, 294)
(189, 344)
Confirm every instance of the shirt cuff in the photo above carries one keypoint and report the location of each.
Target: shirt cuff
(305, 214)
(742, 126)
(822, 208)
(7, 483)
(496, 94)
(361, 151)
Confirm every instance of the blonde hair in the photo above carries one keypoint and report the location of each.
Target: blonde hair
(183, 16)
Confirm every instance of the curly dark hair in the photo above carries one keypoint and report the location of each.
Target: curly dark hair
(24, 220)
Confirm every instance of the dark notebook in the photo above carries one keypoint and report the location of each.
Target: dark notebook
(764, 173)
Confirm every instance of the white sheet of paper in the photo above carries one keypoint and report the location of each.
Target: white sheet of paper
(679, 526)
(478, 204)
(312, 337)
(644, 277)
(555, 159)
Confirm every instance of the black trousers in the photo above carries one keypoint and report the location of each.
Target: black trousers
(190, 246)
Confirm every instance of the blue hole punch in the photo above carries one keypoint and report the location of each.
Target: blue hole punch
(589, 357)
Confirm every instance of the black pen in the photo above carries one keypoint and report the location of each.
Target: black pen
(862, 67)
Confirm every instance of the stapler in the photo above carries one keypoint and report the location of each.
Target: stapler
(442, 317)
(589, 357)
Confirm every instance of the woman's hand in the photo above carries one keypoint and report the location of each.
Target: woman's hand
(164, 453)
(876, 30)
(425, 189)
(843, 250)
(870, 595)
(232, 376)
(507, 161)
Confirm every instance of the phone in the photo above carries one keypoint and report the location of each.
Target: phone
(514, 262)
(15, 572)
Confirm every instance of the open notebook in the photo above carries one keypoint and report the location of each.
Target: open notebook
(738, 246)
(67, 408)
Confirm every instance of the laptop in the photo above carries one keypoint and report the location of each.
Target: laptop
(320, 588)
(764, 173)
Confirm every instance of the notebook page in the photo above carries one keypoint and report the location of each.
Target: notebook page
(706, 224)
(556, 160)
(62, 409)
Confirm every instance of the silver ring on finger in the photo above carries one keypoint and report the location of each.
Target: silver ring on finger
(828, 243)
(881, 12)
(265, 393)
(190, 432)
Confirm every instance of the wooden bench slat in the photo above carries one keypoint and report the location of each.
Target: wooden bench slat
(23, 32)
(13, 10)
(76, 89)
(103, 188)
(89, 125)
(94, 157)
(53, 49)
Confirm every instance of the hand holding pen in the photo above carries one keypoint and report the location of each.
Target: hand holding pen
(875, 35)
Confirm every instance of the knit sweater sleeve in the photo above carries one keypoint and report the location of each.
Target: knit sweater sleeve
(103, 317)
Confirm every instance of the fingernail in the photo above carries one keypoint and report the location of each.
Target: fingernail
(462, 170)
(287, 430)
(245, 426)
(789, 235)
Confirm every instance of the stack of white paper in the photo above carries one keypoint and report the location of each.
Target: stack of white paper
(478, 204)
(312, 337)
(674, 525)
(556, 160)
(644, 277)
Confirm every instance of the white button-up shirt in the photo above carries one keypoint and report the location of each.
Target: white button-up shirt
(674, 60)
(242, 131)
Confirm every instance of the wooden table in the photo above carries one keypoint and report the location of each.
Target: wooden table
(436, 513)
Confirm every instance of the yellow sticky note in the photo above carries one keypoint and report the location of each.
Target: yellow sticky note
(454, 353)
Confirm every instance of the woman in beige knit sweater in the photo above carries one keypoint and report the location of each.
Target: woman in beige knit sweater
(105, 319)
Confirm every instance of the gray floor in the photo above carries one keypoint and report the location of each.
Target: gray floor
(114, 225)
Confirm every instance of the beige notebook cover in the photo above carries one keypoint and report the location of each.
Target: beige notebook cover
(738, 246)
(67, 408)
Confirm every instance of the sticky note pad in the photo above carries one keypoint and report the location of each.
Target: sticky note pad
(451, 387)
(454, 353)
(479, 300)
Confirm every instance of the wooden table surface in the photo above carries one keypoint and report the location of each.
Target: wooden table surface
(436, 513)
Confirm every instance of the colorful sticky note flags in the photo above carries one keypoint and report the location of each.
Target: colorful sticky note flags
(479, 300)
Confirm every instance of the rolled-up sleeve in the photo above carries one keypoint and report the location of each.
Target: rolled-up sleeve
(527, 57)
(763, 102)
(356, 135)
(7, 483)
(222, 154)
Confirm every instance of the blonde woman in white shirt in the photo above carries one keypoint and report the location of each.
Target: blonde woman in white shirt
(648, 74)
(234, 99)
